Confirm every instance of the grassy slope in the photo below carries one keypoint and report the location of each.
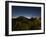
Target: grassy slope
(22, 23)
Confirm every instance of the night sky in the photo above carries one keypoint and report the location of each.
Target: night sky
(26, 11)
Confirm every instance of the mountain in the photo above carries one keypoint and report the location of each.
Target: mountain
(21, 16)
(23, 23)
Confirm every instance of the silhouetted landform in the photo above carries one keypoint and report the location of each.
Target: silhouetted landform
(23, 23)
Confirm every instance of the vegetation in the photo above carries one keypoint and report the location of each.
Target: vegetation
(23, 23)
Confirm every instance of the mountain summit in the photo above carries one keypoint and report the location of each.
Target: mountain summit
(21, 18)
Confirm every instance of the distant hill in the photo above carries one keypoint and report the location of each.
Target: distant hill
(23, 23)
(21, 16)
(25, 17)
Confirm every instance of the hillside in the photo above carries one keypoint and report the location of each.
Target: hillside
(23, 23)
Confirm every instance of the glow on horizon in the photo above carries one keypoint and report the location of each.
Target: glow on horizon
(18, 16)
(26, 17)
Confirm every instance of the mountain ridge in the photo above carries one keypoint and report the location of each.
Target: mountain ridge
(25, 17)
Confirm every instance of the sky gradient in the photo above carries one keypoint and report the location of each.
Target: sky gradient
(26, 11)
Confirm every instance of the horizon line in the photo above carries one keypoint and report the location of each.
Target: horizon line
(26, 17)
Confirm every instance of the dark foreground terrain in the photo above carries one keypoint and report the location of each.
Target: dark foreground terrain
(23, 23)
